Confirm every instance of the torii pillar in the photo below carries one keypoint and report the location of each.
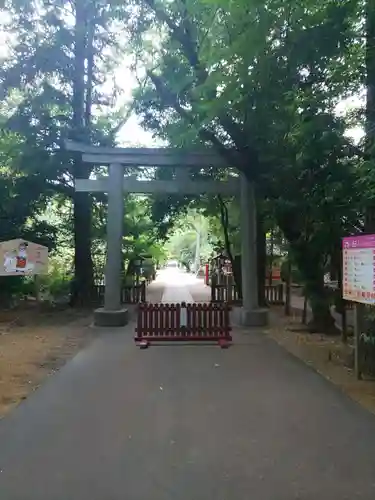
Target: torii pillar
(251, 313)
(113, 314)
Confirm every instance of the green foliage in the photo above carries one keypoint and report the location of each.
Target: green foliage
(190, 240)
(264, 78)
(52, 82)
(19, 209)
(57, 284)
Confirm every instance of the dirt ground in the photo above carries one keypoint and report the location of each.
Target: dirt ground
(34, 343)
(327, 355)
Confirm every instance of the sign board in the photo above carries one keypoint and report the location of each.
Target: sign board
(359, 268)
(20, 257)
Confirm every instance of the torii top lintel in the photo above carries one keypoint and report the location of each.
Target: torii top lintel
(147, 156)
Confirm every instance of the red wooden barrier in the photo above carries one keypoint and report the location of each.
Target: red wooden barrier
(183, 322)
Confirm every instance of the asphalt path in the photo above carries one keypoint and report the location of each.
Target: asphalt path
(187, 422)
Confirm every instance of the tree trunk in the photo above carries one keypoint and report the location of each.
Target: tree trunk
(236, 265)
(90, 74)
(307, 256)
(261, 261)
(83, 265)
(271, 258)
(288, 283)
(322, 320)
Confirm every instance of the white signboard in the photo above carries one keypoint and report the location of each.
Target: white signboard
(359, 268)
(21, 257)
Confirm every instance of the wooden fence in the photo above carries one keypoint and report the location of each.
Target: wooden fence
(130, 294)
(224, 293)
(183, 322)
(228, 293)
(275, 294)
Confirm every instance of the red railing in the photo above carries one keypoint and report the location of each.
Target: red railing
(183, 322)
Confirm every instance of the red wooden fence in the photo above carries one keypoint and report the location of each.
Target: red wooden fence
(183, 322)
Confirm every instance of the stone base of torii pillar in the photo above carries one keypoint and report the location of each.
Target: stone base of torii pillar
(250, 318)
(103, 317)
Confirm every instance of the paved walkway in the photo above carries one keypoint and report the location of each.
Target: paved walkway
(176, 285)
(187, 423)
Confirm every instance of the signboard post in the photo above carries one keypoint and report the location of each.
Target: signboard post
(359, 281)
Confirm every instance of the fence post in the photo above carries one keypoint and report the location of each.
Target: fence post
(213, 287)
(230, 291)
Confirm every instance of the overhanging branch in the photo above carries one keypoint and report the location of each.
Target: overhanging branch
(169, 98)
(190, 50)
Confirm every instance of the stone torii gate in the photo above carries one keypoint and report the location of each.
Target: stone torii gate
(112, 314)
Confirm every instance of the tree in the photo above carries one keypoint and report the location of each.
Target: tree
(189, 241)
(251, 79)
(370, 113)
(57, 68)
(20, 206)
